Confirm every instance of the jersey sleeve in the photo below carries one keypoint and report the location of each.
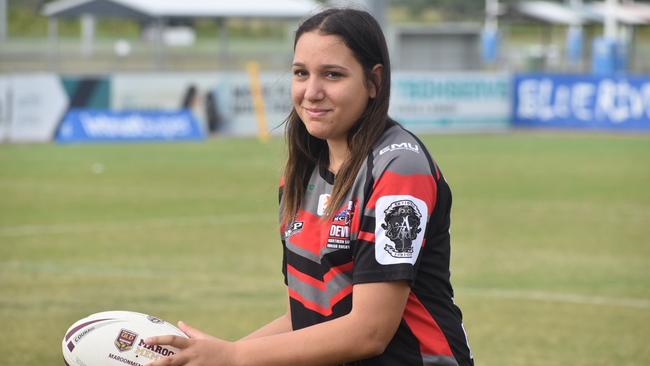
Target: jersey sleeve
(395, 217)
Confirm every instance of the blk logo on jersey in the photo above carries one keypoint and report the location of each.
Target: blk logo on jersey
(399, 229)
(293, 228)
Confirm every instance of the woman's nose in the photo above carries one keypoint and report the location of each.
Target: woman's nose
(314, 89)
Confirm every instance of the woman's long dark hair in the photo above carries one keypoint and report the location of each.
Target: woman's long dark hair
(363, 35)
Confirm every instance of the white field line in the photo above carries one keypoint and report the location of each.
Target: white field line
(48, 229)
(555, 297)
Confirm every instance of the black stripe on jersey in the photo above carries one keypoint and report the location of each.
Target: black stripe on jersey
(403, 350)
(447, 315)
(309, 317)
(325, 173)
(318, 271)
(284, 261)
(370, 181)
(368, 224)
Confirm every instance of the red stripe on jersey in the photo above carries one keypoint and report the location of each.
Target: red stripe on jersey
(422, 186)
(425, 328)
(309, 304)
(306, 278)
(334, 271)
(310, 238)
(340, 296)
(317, 307)
(321, 285)
(366, 236)
(356, 217)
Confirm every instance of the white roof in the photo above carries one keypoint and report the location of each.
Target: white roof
(554, 12)
(184, 8)
(634, 13)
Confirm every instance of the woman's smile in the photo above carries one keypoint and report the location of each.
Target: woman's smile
(316, 113)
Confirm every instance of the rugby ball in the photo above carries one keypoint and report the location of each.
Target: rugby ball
(116, 338)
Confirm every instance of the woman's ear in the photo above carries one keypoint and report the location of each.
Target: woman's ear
(375, 83)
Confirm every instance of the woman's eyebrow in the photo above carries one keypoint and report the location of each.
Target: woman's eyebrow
(333, 66)
(323, 66)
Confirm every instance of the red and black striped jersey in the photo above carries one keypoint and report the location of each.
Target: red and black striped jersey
(394, 226)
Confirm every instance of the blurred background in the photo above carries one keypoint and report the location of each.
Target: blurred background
(460, 65)
(141, 147)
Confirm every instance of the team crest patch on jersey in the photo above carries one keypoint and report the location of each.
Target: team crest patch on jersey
(400, 229)
(402, 225)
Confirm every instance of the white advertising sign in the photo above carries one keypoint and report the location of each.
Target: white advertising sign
(236, 102)
(164, 92)
(4, 108)
(37, 104)
(429, 101)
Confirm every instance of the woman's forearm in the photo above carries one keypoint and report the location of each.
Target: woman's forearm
(277, 326)
(329, 343)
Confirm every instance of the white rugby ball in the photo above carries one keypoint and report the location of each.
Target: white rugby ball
(116, 338)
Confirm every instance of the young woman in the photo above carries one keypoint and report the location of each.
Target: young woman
(364, 222)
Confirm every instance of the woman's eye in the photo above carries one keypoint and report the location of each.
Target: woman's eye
(333, 75)
(299, 73)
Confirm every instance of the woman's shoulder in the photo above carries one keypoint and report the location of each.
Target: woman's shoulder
(400, 148)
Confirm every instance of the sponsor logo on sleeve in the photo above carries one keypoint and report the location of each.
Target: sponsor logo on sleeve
(399, 232)
(402, 146)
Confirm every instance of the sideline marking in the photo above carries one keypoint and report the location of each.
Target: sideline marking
(555, 297)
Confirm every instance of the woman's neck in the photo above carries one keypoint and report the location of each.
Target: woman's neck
(338, 154)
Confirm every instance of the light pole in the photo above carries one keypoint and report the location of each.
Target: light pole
(490, 39)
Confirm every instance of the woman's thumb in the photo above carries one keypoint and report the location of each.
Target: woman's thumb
(192, 332)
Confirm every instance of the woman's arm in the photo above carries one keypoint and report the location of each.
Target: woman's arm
(365, 332)
(277, 326)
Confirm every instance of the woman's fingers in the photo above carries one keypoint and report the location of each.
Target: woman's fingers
(169, 340)
(193, 332)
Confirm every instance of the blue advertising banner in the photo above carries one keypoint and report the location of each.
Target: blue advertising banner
(88, 125)
(582, 101)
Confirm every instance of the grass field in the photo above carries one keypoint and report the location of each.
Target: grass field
(551, 241)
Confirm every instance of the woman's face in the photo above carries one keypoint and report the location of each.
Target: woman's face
(328, 88)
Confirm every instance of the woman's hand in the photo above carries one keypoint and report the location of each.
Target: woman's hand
(200, 349)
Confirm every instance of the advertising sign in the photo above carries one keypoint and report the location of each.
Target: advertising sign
(37, 102)
(86, 125)
(434, 101)
(582, 101)
(4, 109)
(168, 91)
(235, 100)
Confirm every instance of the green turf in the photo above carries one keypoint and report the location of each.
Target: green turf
(551, 248)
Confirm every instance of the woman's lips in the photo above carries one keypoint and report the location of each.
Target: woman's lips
(316, 112)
